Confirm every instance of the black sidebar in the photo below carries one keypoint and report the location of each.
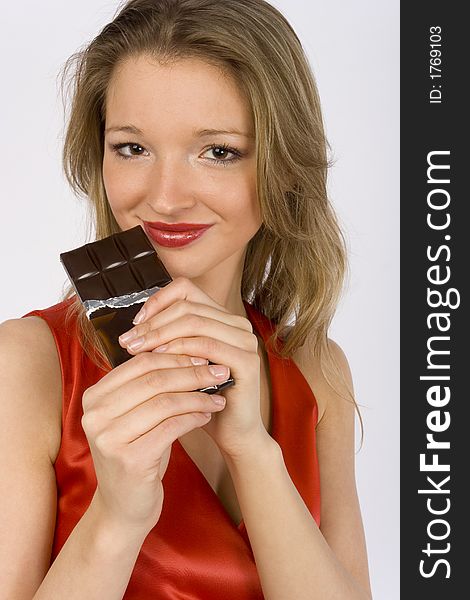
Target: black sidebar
(435, 331)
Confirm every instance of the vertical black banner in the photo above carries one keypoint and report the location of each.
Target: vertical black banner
(435, 352)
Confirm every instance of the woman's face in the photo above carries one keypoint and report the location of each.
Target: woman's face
(168, 172)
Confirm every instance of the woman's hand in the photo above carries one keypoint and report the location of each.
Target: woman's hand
(130, 418)
(182, 319)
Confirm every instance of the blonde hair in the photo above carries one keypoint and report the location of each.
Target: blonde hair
(296, 263)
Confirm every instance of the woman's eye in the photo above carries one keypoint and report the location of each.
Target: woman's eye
(129, 145)
(220, 152)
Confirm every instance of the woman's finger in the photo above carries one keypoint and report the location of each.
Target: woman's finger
(178, 310)
(159, 381)
(180, 288)
(193, 325)
(136, 367)
(215, 351)
(157, 440)
(151, 413)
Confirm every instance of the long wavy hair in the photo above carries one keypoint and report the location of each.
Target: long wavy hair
(296, 264)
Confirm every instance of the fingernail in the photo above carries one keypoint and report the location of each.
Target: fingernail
(136, 344)
(127, 337)
(218, 399)
(140, 316)
(219, 371)
(198, 361)
(160, 348)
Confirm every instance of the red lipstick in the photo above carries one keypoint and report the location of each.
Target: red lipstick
(174, 235)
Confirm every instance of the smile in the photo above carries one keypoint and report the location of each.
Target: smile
(173, 239)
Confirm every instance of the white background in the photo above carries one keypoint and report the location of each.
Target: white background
(353, 48)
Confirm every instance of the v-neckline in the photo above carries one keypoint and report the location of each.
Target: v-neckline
(207, 485)
(256, 318)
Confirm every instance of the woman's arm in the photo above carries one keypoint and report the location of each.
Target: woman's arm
(98, 557)
(95, 563)
(295, 559)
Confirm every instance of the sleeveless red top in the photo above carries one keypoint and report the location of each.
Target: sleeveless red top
(195, 552)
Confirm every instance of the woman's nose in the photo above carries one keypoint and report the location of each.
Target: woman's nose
(170, 186)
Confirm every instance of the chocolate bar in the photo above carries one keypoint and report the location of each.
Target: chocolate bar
(113, 277)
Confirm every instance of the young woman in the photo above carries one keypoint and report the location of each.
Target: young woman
(125, 482)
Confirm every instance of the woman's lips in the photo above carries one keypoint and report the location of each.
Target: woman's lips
(174, 238)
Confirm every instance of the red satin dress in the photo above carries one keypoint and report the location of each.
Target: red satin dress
(195, 552)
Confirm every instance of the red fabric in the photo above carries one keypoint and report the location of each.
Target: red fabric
(195, 552)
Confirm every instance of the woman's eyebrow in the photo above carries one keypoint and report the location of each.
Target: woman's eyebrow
(125, 129)
(197, 133)
(207, 132)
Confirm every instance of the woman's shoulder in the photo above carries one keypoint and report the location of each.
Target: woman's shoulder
(30, 333)
(32, 374)
(34, 336)
(320, 384)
